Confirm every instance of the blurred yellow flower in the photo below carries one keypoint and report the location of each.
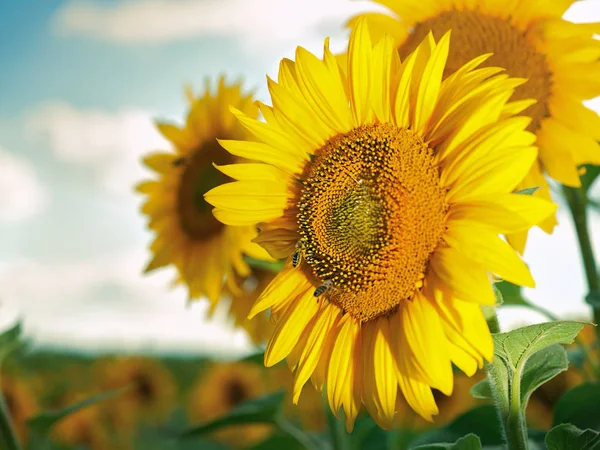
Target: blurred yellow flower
(187, 235)
(387, 190)
(152, 390)
(83, 428)
(222, 388)
(243, 293)
(560, 60)
(20, 402)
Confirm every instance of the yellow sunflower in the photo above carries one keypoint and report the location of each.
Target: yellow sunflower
(528, 38)
(152, 390)
(387, 189)
(203, 250)
(20, 403)
(222, 388)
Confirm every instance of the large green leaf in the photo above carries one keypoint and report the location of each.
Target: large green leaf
(542, 367)
(265, 409)
(469, 442)
(568, 437)
(44, 421)
(481, 421)
(515, 347)
(580, 406)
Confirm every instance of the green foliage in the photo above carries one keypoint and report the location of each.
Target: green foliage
(580, 406)
(481, 421)
(265, 409)
(569, 437)
(469, 442)
(511, 294)
(42, 423)
(271, 266)
(482, 390)
(542, 367)
(591, 173)
(278, 442)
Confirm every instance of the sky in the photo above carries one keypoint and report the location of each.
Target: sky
(81, 83)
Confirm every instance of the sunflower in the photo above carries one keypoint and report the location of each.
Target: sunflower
(387, 190)
(202, 249)
(83, 428)
(20, 403)
(528, 38)
(222, 388)
(152, 390)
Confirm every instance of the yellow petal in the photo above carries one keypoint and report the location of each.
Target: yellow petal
(359, 73)
(287, 282)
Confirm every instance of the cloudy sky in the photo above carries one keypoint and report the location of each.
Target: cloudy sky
(80, 84)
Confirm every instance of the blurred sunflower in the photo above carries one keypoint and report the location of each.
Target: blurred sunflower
(202, 249)
(387, 190)
(528, 38)
(222, 388)
(83, 428)
(20, 403)
(243, 293)
(152, 390)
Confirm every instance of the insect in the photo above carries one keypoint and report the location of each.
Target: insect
(179, 161)
(296, 257)
(323, 288)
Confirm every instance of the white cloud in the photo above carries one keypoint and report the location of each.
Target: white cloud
(21, 194)
(107, 303)
(111, 143)
(259, 23)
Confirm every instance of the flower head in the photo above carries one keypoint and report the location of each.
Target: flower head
(387, 188)
(559, 59)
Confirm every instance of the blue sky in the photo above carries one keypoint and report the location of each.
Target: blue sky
(81, 82)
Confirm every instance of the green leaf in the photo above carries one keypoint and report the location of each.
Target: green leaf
(255, 358)
(542, 367)
(481, 421)
(511, 294)
(278, 442)
(11, 335)
(469, 442)
(568, 437)
(265, 409)
(591, 173)
(482, 390)
(515, 347)
(528, 191)
(580, 406)
(271, 266)
(44, 421)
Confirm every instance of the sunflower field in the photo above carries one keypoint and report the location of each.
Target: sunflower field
(365, 221)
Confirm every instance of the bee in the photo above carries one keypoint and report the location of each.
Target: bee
(296, 256)
(179, 161)
(323, 288)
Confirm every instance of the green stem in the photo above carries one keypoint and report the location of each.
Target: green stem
(516, 427)
(7, 433)
(337, 430)
(284, 425)
(577, 199)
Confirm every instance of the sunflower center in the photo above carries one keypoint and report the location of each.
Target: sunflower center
(199, 177)
(371, 212)
(236, 393)
(475, 33)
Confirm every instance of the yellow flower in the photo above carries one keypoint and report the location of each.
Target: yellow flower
(528, 38)
(83, 428)
(387, 189)
(222, 388)
(20, 403)
(152, 390)
(187, 235)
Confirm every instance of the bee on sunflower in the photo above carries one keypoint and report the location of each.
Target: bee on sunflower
(393, 186)
(559, 59)
(222, 388)
(202, 249)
